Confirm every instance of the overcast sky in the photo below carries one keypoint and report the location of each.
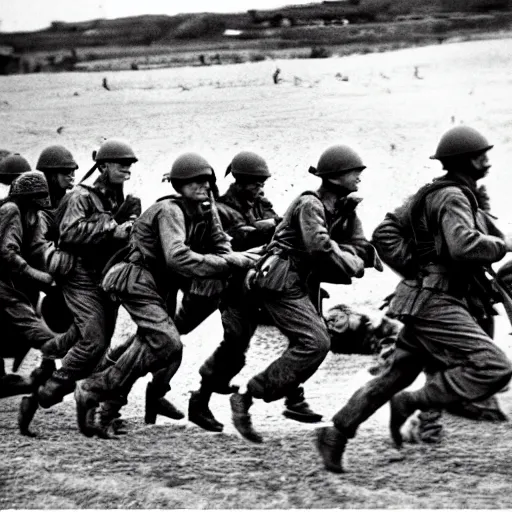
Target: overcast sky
(20, 15)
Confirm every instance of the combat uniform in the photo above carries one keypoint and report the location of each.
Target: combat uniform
(439, 306)
(237, 214)
(20, 283)
(315, 242)
(171, 248)
(86, 219)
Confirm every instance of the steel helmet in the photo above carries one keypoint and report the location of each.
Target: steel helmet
(114, 150)
(247, 163)
(54, 158)
(337, 160)
(189, 166)
(31, 184)
(11, 167)
(461, 140)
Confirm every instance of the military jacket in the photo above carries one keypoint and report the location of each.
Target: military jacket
(456, 240)
(168, 238)
(236, 214)
(326, 242)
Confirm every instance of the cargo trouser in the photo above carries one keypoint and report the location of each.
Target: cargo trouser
(193, 311)
(463, 362)
(156, 344)
(94, 315)
(293, 313)
(20, 321)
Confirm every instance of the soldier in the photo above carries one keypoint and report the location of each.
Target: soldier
(178, 239)
(18, 279)
(94, 223)
(11, 166)
(319, 239)
(246, 214)
(58, 166)
(447, 242)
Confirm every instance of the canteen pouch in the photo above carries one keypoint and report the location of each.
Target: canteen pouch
(274, 274)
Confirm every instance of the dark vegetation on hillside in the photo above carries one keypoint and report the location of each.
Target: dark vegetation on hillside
(350, 23)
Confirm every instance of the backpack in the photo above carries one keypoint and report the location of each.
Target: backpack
(396, 238)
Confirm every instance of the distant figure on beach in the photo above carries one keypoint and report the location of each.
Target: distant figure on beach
(105, 84)
(275, 76)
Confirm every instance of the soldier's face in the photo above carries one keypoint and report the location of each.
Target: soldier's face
(196, 191)
(481, 165)
(117, 172)
(254, 189)
(348, 181)
(66, 179)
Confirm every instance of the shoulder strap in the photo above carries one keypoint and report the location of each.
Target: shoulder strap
(418, 202)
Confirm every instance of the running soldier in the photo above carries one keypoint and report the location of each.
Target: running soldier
(19, 281)
(319, 239)
(94, 223)
(58, 166)
(246, 214)
(444, 250)
(176, 242)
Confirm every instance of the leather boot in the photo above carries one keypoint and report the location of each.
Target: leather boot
(26, 413)
(331, 443)
(298, 409)
(402, 406)
(86, 403)
(55, 389)
(200, 414)
(240, 405)
(156, 405)
(108, 421)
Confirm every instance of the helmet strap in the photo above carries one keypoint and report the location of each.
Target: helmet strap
(89, 173)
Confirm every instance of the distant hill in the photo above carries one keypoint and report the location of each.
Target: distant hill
(161, 29)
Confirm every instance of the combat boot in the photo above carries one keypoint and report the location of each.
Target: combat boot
(108, 421)
(200, 414)
(331, 443)
(298, 409)
(240, 405)
(26, 413)
(86, 403)
(156, 405)
(402, 406)
(55, 389)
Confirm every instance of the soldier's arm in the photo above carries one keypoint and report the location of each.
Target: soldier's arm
(178, 256)
(464, 241)
(11, 241)
(82, 225)
(339, 264)
(243, 235)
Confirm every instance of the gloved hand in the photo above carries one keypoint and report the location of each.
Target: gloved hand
(122, 232)
(130, 208)
(265, 224)
(241, 260)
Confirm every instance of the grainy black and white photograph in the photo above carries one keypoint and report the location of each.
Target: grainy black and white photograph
(255, 255)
